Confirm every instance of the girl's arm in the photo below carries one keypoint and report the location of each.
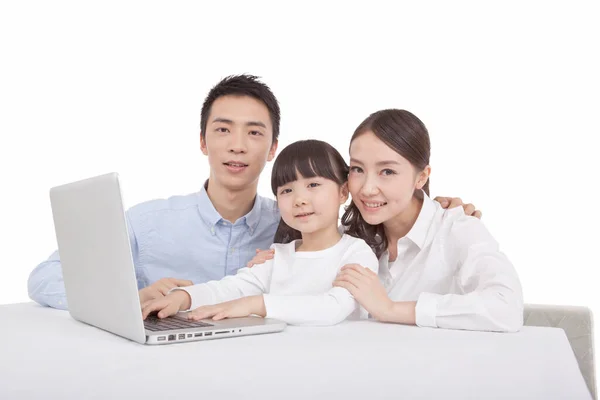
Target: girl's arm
(329, 308)
(246, 282)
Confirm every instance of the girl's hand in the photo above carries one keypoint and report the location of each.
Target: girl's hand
(171, 304)
(231, 309)
(261, 257)
(161, 288)
(366, 288)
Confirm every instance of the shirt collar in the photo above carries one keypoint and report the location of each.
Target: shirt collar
(211, 216)
(253, 216)
(418, 233)
(208, 212)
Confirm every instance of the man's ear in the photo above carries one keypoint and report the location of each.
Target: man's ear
(272, 151)
(203, 144)
(344, 193)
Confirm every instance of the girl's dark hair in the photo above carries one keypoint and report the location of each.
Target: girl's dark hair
(309, 158)
(404, 133)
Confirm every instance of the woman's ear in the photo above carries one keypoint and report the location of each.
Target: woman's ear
(344, 193)
(422, 177)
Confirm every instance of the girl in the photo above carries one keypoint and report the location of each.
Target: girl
(309, 180)
(437, 268)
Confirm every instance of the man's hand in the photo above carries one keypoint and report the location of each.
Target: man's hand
(261, 257)
(231, 309)
(166, 306)
(160, 288)
(451, 202)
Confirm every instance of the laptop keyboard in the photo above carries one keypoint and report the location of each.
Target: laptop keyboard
(155, 324)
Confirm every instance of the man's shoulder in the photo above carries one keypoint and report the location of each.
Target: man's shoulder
(268, 208)
(172, 203)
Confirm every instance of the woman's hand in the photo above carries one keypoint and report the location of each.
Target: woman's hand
(366, 288)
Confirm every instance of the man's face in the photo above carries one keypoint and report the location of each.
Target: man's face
(238, 141)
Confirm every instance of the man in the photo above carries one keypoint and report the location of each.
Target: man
(204, 236)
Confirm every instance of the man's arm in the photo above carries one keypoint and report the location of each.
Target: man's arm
(46, 285)
(451, 202)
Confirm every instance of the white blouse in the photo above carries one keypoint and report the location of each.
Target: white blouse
(452, 266)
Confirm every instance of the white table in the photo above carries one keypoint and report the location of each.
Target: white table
(45, 354)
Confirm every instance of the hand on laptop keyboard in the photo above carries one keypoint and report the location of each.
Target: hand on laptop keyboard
(166, 306)
(161, 288)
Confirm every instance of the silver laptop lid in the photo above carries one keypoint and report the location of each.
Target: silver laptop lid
(95, 254)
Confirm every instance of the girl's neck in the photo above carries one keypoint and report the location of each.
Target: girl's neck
(320, 240)
(399, 226)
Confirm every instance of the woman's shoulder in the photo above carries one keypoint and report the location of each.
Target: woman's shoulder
(463, 230)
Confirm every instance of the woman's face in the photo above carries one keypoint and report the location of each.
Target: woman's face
(381, 181)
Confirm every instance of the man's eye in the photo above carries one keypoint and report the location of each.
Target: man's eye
(256, 133)
(222, 130)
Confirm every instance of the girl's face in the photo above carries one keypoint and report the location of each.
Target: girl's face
(311, 205)
(381, 181)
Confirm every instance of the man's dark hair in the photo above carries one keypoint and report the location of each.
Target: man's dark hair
(242, 85)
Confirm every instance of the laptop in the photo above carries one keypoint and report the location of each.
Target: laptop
(99, 275)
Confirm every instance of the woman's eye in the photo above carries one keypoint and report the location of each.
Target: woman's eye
(355, 169)
(388, 171)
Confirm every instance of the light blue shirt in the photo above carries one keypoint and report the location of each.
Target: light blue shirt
(180, 237)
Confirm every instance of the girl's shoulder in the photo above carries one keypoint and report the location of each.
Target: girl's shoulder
(354, 244)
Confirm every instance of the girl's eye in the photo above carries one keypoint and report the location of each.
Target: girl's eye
(313, 185)
(284, 191)
(388, 171)
(356, 169)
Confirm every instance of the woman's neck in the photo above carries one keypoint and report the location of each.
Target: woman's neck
(320, 240)
(399, 226)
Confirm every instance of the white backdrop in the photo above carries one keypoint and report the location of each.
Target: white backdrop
(509, 92)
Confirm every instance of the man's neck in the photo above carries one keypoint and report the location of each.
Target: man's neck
(231, 204)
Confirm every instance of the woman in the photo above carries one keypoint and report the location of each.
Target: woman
(437, 267)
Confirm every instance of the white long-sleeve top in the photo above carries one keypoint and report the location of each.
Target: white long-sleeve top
(297, 286)
(452, 266)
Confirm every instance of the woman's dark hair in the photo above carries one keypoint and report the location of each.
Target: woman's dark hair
(309, 158)
(404, 133)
